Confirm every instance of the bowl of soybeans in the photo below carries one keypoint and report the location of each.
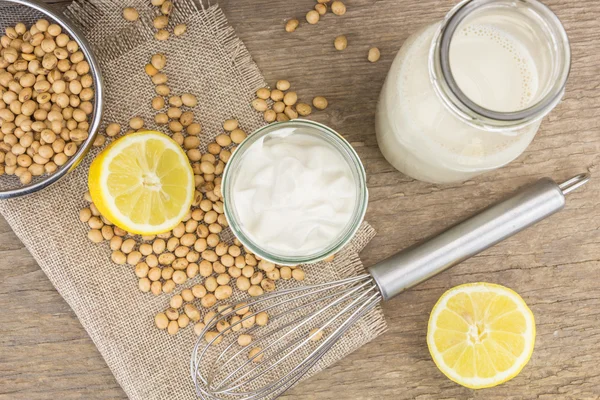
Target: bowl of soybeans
(50, 97)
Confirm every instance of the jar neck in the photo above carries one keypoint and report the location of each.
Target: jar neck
(550, 34)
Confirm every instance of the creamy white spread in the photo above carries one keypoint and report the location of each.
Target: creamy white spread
(293, 192)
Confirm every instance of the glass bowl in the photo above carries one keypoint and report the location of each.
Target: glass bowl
(345, 150)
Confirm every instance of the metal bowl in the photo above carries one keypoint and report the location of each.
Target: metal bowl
(28, 12)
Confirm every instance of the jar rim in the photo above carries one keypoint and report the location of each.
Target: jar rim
(344, 238)
(460, 104)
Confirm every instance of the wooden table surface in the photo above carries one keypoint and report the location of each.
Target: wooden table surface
(46, 354)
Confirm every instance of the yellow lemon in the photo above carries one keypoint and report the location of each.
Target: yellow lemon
(480, 334)
(143, 183)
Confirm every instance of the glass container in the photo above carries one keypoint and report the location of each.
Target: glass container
(330, 137)
(467, 95)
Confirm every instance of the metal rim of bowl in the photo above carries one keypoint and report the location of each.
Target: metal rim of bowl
(85, 47)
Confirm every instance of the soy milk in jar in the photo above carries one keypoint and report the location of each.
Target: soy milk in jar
(467, 95)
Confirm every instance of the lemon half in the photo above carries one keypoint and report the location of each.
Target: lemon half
(143, 183)
(481, 334)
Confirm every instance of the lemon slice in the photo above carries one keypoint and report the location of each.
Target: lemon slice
(143, 183)
(480, 334)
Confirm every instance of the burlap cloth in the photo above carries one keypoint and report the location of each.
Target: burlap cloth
(211, 62)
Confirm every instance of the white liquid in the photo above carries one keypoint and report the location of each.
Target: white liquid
(294, 193)
(492, 69)
(421, 138)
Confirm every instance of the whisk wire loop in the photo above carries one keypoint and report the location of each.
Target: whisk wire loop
(310, 291)
(293, 345)
(287, 347)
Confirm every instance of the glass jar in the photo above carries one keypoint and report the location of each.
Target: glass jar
(237, 202)
(467, 95)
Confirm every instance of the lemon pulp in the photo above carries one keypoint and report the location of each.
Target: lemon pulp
(481, 334)
(143, 183)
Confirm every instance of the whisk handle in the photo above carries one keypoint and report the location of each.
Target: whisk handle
(470, 237)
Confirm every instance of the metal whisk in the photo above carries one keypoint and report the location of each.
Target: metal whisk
(251, 359)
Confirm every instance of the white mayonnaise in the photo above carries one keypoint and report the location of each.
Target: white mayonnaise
(293, 192)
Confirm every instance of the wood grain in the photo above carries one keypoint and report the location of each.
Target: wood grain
(46, 354)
